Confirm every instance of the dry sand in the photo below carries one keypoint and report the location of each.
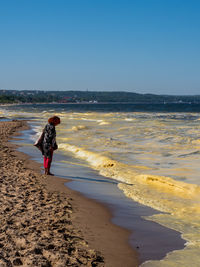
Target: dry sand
(43, 223)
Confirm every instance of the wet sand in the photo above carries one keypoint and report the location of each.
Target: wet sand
(46, 224)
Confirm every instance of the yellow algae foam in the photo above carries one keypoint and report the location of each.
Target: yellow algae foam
(187, 257)
(180, 201)
(182, 215)
(79, 127)
(104, 123)
(130, 119)
(169, 185)
(92, 158)
(132, 174)
(106, 166)
(196, 142)
(163, 201)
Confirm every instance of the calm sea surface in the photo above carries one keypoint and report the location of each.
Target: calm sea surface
(152, 151)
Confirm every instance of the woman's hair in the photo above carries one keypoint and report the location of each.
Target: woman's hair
(54, 120)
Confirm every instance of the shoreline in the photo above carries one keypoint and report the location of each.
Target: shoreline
(91, 218)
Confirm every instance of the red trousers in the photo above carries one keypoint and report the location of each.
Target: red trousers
(47, 161)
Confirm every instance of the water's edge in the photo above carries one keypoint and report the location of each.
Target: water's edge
(152, 240)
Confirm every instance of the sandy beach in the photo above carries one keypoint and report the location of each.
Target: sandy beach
(43, 223)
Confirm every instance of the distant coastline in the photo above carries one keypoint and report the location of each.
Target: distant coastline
(90, 97)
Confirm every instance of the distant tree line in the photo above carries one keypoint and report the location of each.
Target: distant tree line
(37, 96)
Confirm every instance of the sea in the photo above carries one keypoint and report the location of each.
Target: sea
(144, 155)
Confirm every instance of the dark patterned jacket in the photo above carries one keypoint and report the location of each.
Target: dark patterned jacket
(49, 141)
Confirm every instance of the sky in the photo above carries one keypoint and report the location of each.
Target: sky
(143, 46)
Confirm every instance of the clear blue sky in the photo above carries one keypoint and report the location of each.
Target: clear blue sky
(144, 46)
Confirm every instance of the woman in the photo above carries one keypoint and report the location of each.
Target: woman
(49, 142)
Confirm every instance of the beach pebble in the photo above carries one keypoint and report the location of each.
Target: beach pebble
(17, 262)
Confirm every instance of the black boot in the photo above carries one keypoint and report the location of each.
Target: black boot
(48, 172)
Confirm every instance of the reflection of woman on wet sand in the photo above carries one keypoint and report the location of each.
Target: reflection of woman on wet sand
(49, 142)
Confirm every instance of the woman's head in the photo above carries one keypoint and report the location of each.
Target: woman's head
(54, 120)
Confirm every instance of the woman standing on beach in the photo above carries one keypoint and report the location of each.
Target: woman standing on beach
(49, 142)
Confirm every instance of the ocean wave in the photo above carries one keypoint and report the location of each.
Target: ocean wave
(129, 173)
(79, 127)
(189, 154)
(104, 123)
(179, 200)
